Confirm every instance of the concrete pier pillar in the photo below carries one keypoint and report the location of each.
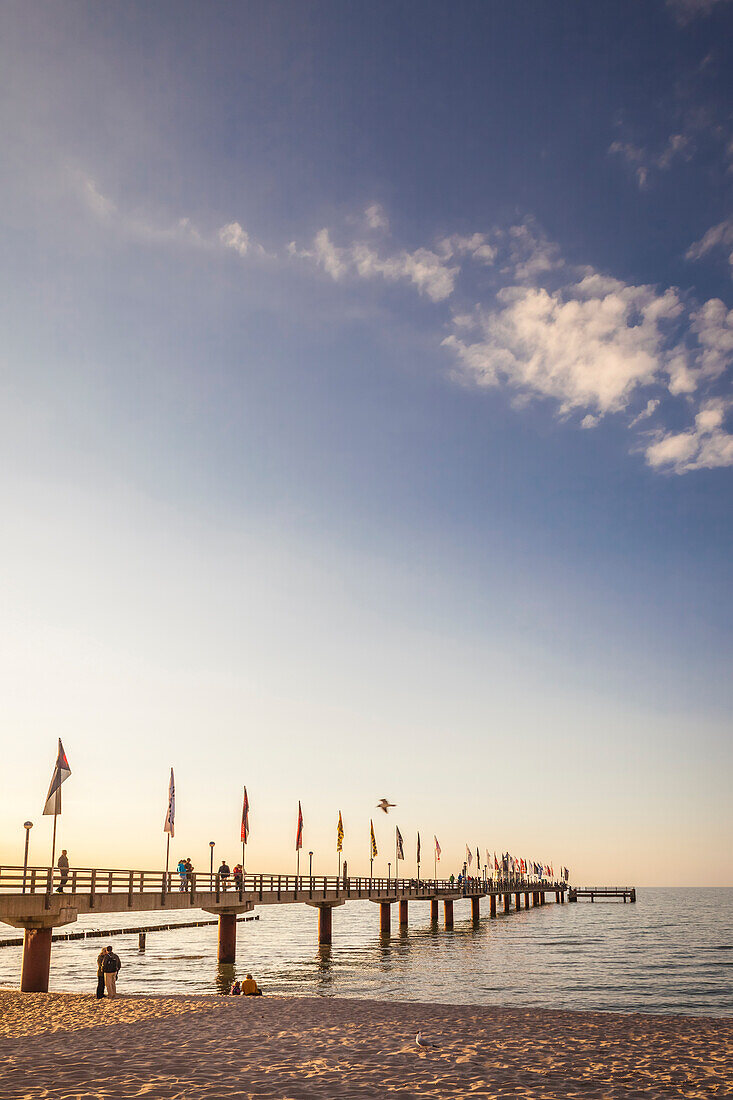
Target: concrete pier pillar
(227, 949)
(434, 911)
(448, 912)
(535, 898)
(475, 910)
(518, 901)
(385, 917)
(557, 896)
(325, 922)
(526, 900)
(403, 912)
(632, 895)
(492, 905)
(36, 960)
(507, 902)
(542, 897)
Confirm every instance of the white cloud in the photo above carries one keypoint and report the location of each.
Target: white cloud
(588, 346)
(590, 421)
(642, 161)
(476, 246)
(686, 10)
(649, 409)
(375, 217)
(423, 268)
(706, 446)
(233, 236)
(718, 236)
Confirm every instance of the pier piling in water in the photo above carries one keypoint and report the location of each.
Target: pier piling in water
(448, 912)
(403, 912)
(492, 905)
(475, 910)
(434, 911)
(36, 960)
(227, 946)
(325, 924)
(385, 917)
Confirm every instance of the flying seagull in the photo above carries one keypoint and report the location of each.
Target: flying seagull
(423, 1043)
(385, 804)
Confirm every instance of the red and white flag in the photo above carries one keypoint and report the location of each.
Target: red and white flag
(61, 773)
(299, 833)
(437, 849)
(244, 832)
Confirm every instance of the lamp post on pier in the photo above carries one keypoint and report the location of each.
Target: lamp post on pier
(27, 825)
(211, 864)
(310, 864)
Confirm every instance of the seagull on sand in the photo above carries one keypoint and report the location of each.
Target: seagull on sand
(385, 804)
(423, 1043)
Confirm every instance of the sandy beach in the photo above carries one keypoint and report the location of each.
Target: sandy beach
(68, 1045)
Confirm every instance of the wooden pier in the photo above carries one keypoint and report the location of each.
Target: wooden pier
(628, 893)
(32, 900)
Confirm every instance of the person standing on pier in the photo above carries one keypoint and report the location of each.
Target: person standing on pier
(189, 871)
(63, 866)
(224, 873)
(181, 868)
(111, 967)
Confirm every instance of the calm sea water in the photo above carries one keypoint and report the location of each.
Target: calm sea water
(672, 952)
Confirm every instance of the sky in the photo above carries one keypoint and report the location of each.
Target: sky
(366, 430)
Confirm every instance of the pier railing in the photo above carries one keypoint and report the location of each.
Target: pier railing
(92, 882)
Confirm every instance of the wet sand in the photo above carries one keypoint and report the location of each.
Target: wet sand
(71, 1046)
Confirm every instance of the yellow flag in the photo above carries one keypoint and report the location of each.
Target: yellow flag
(375, 853)
(340, 834)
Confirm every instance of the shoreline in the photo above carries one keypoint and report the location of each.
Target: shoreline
(211, 1046)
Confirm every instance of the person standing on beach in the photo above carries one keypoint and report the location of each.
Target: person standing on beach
(111, 967)
(63, 866)
(100, 973)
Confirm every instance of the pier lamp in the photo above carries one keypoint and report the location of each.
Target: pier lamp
(310, 864)
(27, 825)
(211, 863)
(389, 872)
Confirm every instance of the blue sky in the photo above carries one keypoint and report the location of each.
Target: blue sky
(366, 426)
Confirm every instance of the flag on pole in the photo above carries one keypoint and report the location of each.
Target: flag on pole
(339, 834)
(400, 849)
(418, 848)
(469, 856)
(299, 833)
(170, 814)
(488, 860)
(496, 862)
(244, 833)
(437, 849)
(478, 861)
(61, 773)
(375, 851)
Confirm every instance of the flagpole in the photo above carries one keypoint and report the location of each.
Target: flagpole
(53, 842)
(167, 852)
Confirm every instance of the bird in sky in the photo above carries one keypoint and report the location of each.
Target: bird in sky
(385, 804)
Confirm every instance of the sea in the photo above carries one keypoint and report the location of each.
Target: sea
(671, 952)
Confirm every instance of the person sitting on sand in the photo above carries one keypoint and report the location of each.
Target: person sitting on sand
(250, 987)
(236, 989)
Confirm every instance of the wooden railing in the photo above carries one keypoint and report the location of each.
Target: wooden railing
(92, 882)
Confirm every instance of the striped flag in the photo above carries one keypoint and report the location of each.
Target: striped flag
(339, 834)
(244, 831)
(299, 833)
(398, 839)
(375, 851)
(469, 856)
(170, 814)
(437, 849)
(61, 773)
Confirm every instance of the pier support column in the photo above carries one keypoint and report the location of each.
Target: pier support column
(227, 949)
(385, 917)
(535, 898)
(475, 910)
(557, 897)
(518, 901)
(325, 924)
(448, 912)
(492, 905)
(403, 912)
(526, 900)
(36, 960)
(632, 895)
(542, 897)
(507, 902)
(434, 911)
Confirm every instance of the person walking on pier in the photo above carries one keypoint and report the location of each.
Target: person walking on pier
(189, 871)
(224, 874)
(181, 868)
(63, 866)
(111, 967)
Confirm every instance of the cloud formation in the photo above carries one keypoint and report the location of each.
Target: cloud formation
(592, 344)
(719, 236)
